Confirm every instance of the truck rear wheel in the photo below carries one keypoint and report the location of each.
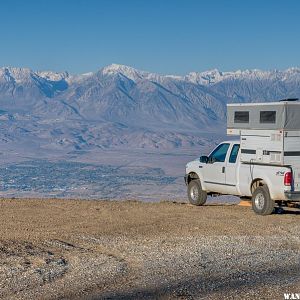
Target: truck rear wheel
(262, 204)
(195, 193)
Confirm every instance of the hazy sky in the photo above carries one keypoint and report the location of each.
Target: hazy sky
(164, 36)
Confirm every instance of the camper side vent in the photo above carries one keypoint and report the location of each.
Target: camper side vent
(275, 157)
(275, 137)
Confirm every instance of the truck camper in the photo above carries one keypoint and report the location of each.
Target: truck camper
(262, 165)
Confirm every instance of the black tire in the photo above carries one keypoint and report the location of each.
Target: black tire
(195, 193)
(262, 204)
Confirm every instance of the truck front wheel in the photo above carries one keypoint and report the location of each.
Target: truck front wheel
(195, 193)
(262, 204)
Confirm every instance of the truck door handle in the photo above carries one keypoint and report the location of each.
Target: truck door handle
(223, 169)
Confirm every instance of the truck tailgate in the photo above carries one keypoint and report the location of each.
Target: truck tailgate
(296, 177)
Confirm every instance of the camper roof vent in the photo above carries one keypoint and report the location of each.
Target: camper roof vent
(289, 99)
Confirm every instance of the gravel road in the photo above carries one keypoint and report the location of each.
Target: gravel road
(72, 249)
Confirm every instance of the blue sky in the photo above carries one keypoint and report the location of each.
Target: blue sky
(166, 36)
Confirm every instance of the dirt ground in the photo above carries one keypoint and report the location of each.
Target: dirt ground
(76, 249)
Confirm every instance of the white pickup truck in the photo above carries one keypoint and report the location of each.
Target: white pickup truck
(223, 173)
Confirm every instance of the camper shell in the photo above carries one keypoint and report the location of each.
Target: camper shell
(269, 132)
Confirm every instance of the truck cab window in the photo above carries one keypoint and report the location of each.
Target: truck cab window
(234, 153)
(219, 154)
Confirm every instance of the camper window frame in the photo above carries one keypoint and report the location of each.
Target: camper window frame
(242, 113)
(266, 119)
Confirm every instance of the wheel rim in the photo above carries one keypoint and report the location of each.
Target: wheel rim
(259, 201)
(194, 193)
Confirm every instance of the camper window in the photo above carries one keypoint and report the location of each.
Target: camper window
(241, 117)
(267, 117)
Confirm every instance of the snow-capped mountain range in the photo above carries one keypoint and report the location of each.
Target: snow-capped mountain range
(119, 106)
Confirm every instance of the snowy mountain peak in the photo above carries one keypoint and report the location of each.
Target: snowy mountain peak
(22, 75)
(293, 70)
(215, 76)
(53, 76)
(205, 78)
(117, 68)
(127, 71)
(11, 74)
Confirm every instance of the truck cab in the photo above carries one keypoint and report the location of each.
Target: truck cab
(217, 171)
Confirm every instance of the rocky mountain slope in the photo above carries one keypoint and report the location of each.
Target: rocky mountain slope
(119, 106)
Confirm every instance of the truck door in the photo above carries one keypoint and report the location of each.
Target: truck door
(214, 171)
(231, 170)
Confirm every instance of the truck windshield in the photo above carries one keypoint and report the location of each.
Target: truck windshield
(219, 154)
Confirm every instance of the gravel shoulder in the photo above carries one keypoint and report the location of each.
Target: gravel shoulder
(75, 249)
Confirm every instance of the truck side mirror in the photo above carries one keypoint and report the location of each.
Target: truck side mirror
(204, 159)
